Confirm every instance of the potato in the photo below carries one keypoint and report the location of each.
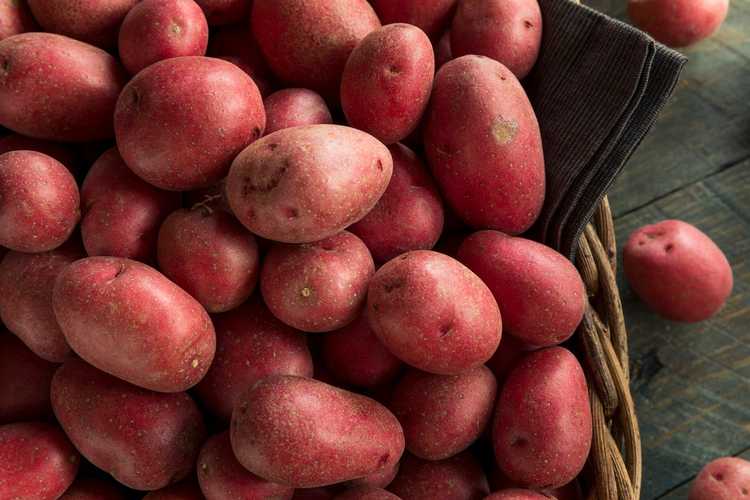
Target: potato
(92, 488)
(509, 31)
(237, 45)
(250, 345)
(15, 18)
(128, 320)
(221, 12)
(540, 293)
(542, 427)
(60, 152)
(429, 15)
(304, 433)
(317, 287)
(155, 30)
(726, 478)
(433, 313)
(678, 23)
(516, 494)
(221, 476)
(366, 493)
(180, 122)
(307, 43)
(185, 490)
(412, 195)
(443, 52)
(39, 202)
(387, 82)
(305, 184)
(58, 88)
(36, 461)
(457, 478)
(677, 270)
(144, 439)
(121, 212)
(484, 147)
(508, 353)
(379, 479)
(293, 107)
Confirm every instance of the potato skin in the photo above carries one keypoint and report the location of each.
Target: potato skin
(130, 321)
(456, 478)
(91, 488)
(305, 433)
(307, 183)
(293, 107)
(366, 493)
(237, 45)
(516, 494)
(433, 313)
(58, 88)
(725, 478)
(542, 428)
(181, 121)
(484, 147)
(431, 16)
(220, 12)
(678, 23)
(15, 18)
(677, 270)
(540, 293)
(387, 81)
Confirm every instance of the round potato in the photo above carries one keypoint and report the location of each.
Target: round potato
(678, 23)
(456, 478)
(237, 45)
(366, 493)
(288, 108)
(15, 18)
(219, 12)
(726, 478)
(91, 488)
(431, 16)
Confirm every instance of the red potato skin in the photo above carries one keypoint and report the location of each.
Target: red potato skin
(36, 461)
(305, 433)
(317, 287)
(366, 493)
(15, 18)
(433, 313)
(509, 31)
(677, 270)
(130, 321)
(542, 427)
(456, 478)
(484, 147)
(304, 184)
(181, 121)
(237, 45)
(412, 195)
(678, 23)
(185, 490)
(726, 478)
(293, 107)
(387, 81)
(93, 489)
(155, 30)
(221, 12)
(60, 152)
(540, 293)
(431, 16)
(516, 494)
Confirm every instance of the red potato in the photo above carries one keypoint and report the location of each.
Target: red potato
(57, 88)
(726, 478)
(678, 23)
(36, 461)
(433, 313)
(443, 51)
(185, 490)
(93, 489)
(304, 433)
(237, 45)
(366, 493)
(180, 122)
(509, 31)
(431, 16)
(220, 12)
(304, 184)
(317, 287)
(484, 147)
(387, 81)
(516, 494)
(542, 428)
(677, 270)
(144, 439)
(293, 107)
(60, 152)
(155, 30)
(15, 18)
(457, 478)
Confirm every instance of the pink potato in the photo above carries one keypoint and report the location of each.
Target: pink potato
(433, 313)
(128, 320)
(484, 147)
(180, 122)
(155, 30)
(317, 287)
(431, 16)
(36, 461)
(540, 293)
(60, 152)
(542, 428)
(15, 18)
(305, 433)
(220, 12)
(237, 45)
(516, 494)
(678, 23)
(456, 478)
(121, 212)
(726, 478)
(308, 43)
(304, 184)
(677, 270)
(94, 489)
(293, 107)
(184, 490)
(366, 493)
(387, 82)
(57, 88)
(250, 345)
(409, 215)
(508, 31)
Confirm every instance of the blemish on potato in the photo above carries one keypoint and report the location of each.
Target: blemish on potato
(175, 28)
(504, 131)
(305, 292)
(194, 363)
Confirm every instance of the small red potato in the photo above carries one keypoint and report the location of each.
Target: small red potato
(237, 45)
(516, 494)
(15, 18)
(304, 184)
(677, 270)
(678, 23)
(456, 478)
(128, 320)
(60, 152)
(540, 293)
(726, 478)
(180, 122)
(366, 493)
(431, 16)
(92, 488)
(220, 12)
(542, 427)
(305, 433)
(387, 82)
(293, 107)
(144, 439)
(508, 31)
(185, 490)
(155, 30)
(317, 287)
(433, 313)
(36, 461)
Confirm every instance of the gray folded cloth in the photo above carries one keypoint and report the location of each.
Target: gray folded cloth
(597, 88)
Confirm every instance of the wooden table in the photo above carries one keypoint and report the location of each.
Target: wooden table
(692, 382)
